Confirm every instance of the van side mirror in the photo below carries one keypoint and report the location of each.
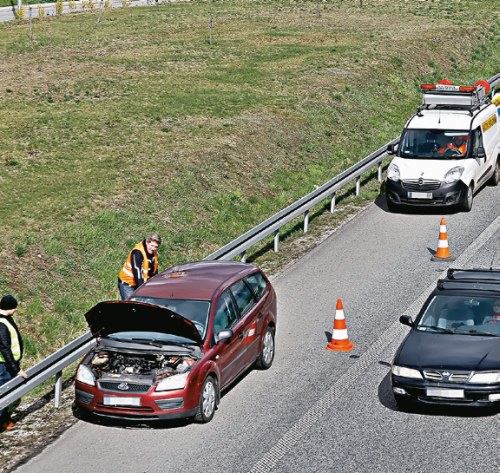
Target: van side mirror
(391, 149)
(480, 153)
(406, 320)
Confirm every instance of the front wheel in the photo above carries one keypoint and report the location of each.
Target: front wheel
(468, 199)
(208, 401)
(495, 179)
(266, 356)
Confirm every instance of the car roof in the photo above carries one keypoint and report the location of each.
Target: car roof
(197, 280)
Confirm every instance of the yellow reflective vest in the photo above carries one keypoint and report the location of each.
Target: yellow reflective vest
(15, 345)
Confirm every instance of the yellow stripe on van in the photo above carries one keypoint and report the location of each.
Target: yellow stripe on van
(489, 123)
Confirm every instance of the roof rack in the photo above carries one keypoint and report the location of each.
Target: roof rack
(444, 95)
(475, 285)
(475, 274)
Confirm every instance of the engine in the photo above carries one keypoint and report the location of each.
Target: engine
(158, 366)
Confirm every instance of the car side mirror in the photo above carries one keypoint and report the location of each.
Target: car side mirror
(391, 149)
(406, 320)
(480, 153)
(223, 335)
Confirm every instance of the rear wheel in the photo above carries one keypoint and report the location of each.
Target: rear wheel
(208, 401)
(495, 179)
(266, 356)
(468, 199)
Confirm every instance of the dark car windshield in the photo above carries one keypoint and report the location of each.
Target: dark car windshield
(195, 311)
(461, 314)
(444, 144)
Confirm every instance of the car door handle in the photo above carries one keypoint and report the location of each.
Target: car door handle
(241, 335)
(261, 314)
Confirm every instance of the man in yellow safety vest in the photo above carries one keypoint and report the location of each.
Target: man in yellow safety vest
(11, 351)
(140, 265)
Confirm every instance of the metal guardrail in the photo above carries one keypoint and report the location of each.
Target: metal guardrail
(55, 363)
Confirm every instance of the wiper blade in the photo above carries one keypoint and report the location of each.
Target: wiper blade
(477, 332)
(438, 329)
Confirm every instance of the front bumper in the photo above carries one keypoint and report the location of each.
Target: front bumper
(444, 195)
(151, 405)
(474, 395)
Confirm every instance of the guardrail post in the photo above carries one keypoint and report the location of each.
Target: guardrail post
(332, 203)
(358, 185)
(379, 172)
(243, 256)
(58, 389)
(306, 220)
(276, 240)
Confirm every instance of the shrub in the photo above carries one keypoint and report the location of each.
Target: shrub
(41, 12)
(20, 13)
(59, 7)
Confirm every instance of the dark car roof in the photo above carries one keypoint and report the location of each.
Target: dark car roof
(198, 280)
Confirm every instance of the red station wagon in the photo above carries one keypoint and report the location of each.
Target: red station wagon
(181, 338)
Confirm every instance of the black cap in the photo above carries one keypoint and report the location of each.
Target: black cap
(8, 302)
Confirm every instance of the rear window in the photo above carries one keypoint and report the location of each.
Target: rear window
(243, 296)
(257, 283)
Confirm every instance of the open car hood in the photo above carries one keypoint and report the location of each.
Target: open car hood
(122, 316)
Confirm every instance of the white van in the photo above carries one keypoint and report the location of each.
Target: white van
(447, 150)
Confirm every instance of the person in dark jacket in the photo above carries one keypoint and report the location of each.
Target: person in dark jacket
(140, 265)
(11, 351)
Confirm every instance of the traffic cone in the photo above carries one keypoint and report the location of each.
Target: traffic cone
(443, 252)
(340, 340)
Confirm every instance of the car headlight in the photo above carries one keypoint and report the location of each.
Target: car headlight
(405, 372)
(454, 174)
(486, 378)
(85, 375)
(177, 381)
(393, 172)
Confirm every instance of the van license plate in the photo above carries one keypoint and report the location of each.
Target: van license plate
(448, 393)
(121, 401)
(420, 195)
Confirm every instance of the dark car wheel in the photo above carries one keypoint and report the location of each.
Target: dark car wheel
(266, 356)
(208, 401)
(468, 199)
(403, 402)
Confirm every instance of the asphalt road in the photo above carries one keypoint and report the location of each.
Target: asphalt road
(321, 411)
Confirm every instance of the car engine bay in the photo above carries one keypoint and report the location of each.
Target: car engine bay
(158, 366)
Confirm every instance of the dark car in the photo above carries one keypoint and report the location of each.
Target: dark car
(452, 353)
(182, 337)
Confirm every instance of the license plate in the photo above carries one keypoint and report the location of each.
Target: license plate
(420, 195)
(448, 393)
(121, 401)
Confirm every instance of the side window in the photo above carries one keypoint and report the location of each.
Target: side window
(477, 139)
(225, 313)
(257, 283)
(243, 296)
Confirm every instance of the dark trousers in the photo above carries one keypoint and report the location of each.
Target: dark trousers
(4, 377)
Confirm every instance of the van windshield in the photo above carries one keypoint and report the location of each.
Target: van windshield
(445, 144)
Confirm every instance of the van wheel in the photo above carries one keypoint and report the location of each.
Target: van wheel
(495, 179)
(468, 199)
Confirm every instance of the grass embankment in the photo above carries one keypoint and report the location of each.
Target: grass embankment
(111, 131)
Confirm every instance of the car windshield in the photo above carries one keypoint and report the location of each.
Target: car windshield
(445, 144)
(465, 315)
(154, 339)
(195, 311)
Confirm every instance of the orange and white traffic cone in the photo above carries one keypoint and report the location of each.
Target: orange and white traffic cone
(443, 252)
(340, 340)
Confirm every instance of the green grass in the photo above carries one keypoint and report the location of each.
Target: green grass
(111, 131)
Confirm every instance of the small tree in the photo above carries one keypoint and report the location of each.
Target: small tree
(41, 12)
(20, 12)
(59, 7)
(72, 5)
